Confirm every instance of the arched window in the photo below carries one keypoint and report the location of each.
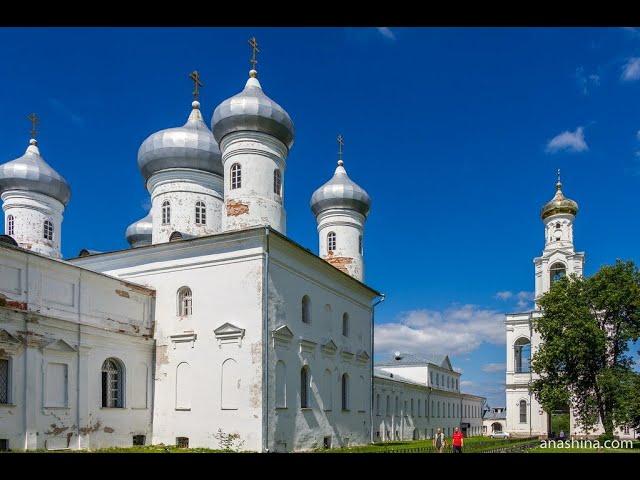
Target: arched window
(10, 224)
(277, 182)
(522, 355)
(360, 244)
(388, 405)
(48, 230)
(112, 383)
(377, 404)
(306, 309)
(345, 324)
(523, 411)
(556, 272)
(304, 387)
(236, 176)
(281, 385)
(201, 213)
(496, 427)
(331, 241)
(166, 212)
(345, 391)
(185, 301)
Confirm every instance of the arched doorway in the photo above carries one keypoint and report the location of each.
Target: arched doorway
(496, 427)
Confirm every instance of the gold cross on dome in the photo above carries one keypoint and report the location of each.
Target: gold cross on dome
(34, 121)
(254, 50)
(340, 145)
(195, 76)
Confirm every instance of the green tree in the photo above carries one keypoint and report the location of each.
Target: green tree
(585, 331)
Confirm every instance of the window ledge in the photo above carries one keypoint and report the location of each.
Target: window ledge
(328, 410)
(184, 409)
(113, 408)
(282, 408)
(46, 407)
(346, 410)
(7, 405)
(306, 409)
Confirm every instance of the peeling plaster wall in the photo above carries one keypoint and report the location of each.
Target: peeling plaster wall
(30, 210)
(348, 227)
(55, 313)
(183, 188)
(291, 276)
(255, 202)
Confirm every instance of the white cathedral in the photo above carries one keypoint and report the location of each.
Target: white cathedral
(214, 319)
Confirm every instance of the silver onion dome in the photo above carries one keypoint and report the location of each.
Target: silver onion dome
(139, 233)
(340, 192)
(189, 146)
(251, 109)
(31, 173)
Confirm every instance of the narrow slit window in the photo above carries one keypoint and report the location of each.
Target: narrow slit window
(236, 176)
(277, 182)
(331, 241)
(48, 230)
(166, 212)
(10, 224)
(201, 213)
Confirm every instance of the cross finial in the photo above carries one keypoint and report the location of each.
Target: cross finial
(558, 183)
(34, 121)
(340, 145)
(254, 51)
(195, 76)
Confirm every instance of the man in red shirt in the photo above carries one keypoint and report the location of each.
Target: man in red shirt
(457, 441)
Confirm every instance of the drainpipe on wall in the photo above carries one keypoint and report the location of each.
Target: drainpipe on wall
(381, 299)
(79, 348)
(265, 337)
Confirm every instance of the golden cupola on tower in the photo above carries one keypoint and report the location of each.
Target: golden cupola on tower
(559, 203)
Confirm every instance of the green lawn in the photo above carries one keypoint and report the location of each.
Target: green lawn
(471, 445)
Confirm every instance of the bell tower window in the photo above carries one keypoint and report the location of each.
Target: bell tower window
(277, 182)
(556, 272)
(10, 225)
(201, 213)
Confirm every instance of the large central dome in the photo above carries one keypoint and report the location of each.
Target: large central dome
(190, 146)
(250, 110)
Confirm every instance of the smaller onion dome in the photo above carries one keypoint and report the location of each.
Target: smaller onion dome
(340, 192)
(559, 203)
(189, 146)
(251, 109)
(32, 174)
(139, 233)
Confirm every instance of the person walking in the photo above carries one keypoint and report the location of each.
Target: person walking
(439, 441)
(457, 440)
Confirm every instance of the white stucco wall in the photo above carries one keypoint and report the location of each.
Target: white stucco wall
(54, 313)
(30, 210)
(182, 188)
(255, 202)
(348, 226)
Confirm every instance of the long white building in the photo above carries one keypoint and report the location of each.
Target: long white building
(414, 396)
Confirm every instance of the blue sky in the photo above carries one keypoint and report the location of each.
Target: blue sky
(455, 133)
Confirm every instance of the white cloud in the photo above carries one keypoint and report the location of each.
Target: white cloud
(494, 367)
(523, 299)
(466, 383)
(506, 295)
(631, 70)
(458, 329)
(386, 32)
(586, 81)
(638, 135)
(571, 141)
